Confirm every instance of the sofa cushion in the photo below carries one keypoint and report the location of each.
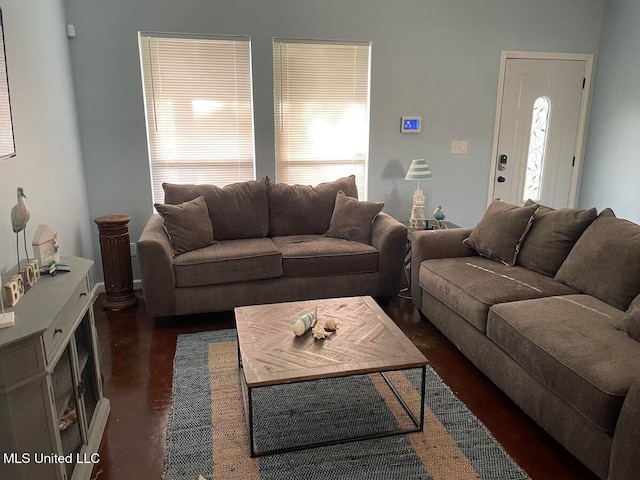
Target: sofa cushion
(570, 344)
(229, 261)
(303, 209)
(352, 219)
(551, 237)
(239, 210)
(471, 285)
(605, 261)
(315, 255)
(188, 225)
(501, 231)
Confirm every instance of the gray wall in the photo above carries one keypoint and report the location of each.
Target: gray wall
(48, 163)
(435, 58)
(612, 163)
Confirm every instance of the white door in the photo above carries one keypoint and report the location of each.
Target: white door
(539, 131)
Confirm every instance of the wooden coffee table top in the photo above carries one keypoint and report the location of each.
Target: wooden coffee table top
(366, 341)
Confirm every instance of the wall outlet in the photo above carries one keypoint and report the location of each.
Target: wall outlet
(133, 248)
(459, 146)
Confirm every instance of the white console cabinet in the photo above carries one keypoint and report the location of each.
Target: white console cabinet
(52, 409)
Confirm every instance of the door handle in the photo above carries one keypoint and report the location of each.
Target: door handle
(502, 162)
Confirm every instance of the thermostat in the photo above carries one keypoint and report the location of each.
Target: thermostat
(411, 125)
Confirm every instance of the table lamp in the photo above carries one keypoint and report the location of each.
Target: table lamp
(419, 170)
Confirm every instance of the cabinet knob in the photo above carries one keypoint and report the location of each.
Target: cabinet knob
(83, 294)
(57, 330)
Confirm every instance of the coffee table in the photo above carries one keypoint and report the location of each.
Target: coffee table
(367, 341)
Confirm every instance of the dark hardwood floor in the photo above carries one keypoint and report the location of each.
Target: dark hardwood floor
(137, 362)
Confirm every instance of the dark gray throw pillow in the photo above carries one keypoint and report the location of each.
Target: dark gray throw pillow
(501, 231)
(630, 326)
(188, 225)
(352, 219)
(551, 237)
(605, 261)
(634, 308)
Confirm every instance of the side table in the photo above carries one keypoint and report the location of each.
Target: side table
(405, 290)
(116, 262)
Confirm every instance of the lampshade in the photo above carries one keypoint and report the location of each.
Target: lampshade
(419, 170)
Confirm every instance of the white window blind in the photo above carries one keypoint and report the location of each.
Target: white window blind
(7, 146)
(198, 103)
(321, 101)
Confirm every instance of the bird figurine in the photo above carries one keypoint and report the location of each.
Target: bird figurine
(439, 216)
(20, 215)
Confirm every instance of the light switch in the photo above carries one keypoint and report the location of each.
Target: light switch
(459, 146)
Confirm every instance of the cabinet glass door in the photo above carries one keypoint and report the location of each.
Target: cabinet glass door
(66, 408)
(87, 373)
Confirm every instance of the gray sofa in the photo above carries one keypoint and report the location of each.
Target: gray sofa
(270, 244)
(563, 344)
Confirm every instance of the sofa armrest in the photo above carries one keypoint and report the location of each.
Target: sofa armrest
(625, 461)
(389, 237)
(429, 244)
(156, 267)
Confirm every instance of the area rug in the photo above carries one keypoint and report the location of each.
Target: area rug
(207, 435)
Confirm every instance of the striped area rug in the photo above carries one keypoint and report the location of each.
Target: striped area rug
(207, 435)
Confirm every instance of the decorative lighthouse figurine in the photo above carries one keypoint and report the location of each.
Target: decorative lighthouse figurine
(419, 170)
(417, 219)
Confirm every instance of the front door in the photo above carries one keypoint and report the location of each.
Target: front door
(539, 131)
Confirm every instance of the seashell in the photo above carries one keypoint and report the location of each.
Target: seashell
(331, 325)
(319, 332)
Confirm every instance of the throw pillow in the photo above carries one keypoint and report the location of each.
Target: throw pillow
(551, 237)
(352, 219)
(188, 225)
(239, 210)
(303, 209)
(605, 261)
(630, 326)
(634, 308)
(501, 231)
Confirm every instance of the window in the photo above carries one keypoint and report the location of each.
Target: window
(321, 101)
(198, 104)
(537, 149)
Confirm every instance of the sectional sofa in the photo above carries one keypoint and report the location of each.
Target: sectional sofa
(212, 249)
(547, 304)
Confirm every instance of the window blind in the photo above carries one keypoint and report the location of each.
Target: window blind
(199, 112)
(7, 146)
(321, 102)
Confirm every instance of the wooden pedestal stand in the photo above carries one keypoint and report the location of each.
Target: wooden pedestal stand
(116, 261)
